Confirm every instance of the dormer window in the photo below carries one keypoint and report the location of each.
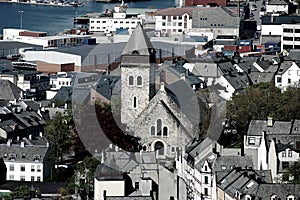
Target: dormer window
(12, 157)
(290, 197)
(274, 197)
(36, 158)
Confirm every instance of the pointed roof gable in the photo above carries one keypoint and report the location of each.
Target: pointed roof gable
(9, 91)
(138, 43)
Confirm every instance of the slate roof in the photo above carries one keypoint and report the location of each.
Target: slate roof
(106, 84)
(195, 149)
(108, 171)
(238, 81)
(294, 54)
(278, 20)
(71, 94)
(138, 41)
(264, 64)
(185, 98)
(246, 66)
(230, 162)
(265, 191)
(27, 154)
(9, 91)
(127, 161)
(261, 77)
(257, 127)
(178, 11)
(284, 66)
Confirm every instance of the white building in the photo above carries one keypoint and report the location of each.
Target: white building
(45, 41)
(26, 162)
(277, 6)
(290, 38)
(288, 75)
(121, 18)
(173, 21)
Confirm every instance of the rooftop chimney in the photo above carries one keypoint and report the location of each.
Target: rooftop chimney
(22, 144)
(270, 122)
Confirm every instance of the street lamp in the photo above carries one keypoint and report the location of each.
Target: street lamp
(21, 19)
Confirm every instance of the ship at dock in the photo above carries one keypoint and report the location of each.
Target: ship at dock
(115, 1)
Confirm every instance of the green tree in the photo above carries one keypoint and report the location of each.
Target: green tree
(292, 173)
(261, 101)
(86, 167)
(58, 134)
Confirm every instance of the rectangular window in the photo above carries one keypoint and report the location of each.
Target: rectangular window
(22, 168)
(289, 80)
(163, 17)
(32, 178)
(11, 177)
(206, 191)
(290, 153)
(38, 168)
(283, 154)
(38, 179)
(298, 72)
(137, 185)
(22, 178)
(164, 24)
(278, 79)
(251, 140)
(11, 167)
(32, 168)
(206, 179)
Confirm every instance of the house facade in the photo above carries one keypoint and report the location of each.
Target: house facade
(288, 75)
(290, 38)
(26, 162)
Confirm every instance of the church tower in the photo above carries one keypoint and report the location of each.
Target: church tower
(137, 75)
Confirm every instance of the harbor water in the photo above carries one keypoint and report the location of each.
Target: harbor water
(55, 19)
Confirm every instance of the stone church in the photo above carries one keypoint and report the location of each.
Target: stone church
(161, 116)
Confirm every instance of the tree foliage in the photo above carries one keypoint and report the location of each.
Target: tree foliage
(58, 134)
(261, 101)
(292, 173)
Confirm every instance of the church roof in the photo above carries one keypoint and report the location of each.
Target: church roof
(139, 42)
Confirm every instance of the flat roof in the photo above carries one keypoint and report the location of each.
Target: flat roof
(16, 45)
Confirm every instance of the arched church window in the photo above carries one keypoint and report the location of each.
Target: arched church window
(139, 80)
(130, 81)
(158, 126)
(134, 102)
(152, 130)
(165, 131)
(159, 146)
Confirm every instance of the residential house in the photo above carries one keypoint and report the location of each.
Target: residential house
(273, 145)
(34, 84)
(10, 92)
(138, 174)
(171, 73)
(249, 184)
(288, 75)
(28, 160)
